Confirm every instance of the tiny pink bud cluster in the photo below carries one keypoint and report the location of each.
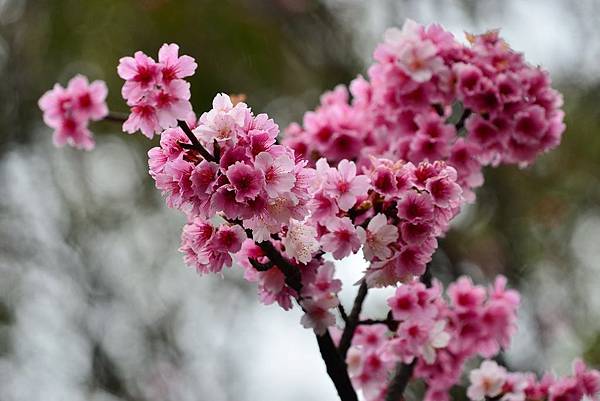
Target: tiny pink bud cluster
(156, 91)
(441, 334)
(69, 111)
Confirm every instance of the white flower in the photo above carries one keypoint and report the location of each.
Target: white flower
(438, 338)
(487, 381)
(300, 242)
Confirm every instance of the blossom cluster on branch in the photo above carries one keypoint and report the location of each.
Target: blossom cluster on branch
(382, 173)
(430, 97)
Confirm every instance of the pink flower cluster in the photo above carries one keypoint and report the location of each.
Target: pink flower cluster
(69, 111)
(156, 91)
(441, 334)
(429, 97)
(493, 381)
(317, 296)
(413, 206)
(250, 180)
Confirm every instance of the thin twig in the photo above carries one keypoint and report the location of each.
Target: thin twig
(343, 313)
(352, 321)
(195, 142)
(117, 117)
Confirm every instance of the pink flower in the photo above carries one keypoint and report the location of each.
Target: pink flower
(342, 239)
(156, 92)
(72, 132)
(345, 186)
(317, 315)
(88, 101)
(464, 295)
(172, 103)
(277, 172)
(70, 110)
(228, 239)
(143, 117)
(487, 381)
(246, 180)
(172, 66)
(405, 303)
(141, 73)
(377, 238)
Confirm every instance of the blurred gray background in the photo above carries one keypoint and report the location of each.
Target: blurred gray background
(95, 301)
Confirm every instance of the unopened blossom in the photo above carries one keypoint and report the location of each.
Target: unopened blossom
(377, 238)
(487, 381)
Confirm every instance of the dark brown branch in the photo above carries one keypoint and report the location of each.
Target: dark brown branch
(195, 142)
(334, 362)
(389, 321)
(336, 368)
(401, 378)
(116, 117)
(292, 274)
(461, 122)
(352, 321)
(261, 267)
(343, 313)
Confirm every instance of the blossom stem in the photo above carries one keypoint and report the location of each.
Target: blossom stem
(352, 321)
(195, 142)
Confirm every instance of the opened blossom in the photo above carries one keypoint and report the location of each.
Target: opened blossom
(381, 165)
(156, 92)
(377, 237)
(69, 111)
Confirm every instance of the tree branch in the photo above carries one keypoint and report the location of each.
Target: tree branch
(400, 381)
(336, 368)
(116, 117)
(352, 321)
(195, 142)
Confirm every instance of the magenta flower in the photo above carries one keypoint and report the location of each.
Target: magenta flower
(246, 181)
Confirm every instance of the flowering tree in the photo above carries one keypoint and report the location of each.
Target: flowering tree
(381, 166)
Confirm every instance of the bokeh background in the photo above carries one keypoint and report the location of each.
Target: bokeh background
(95, 301)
